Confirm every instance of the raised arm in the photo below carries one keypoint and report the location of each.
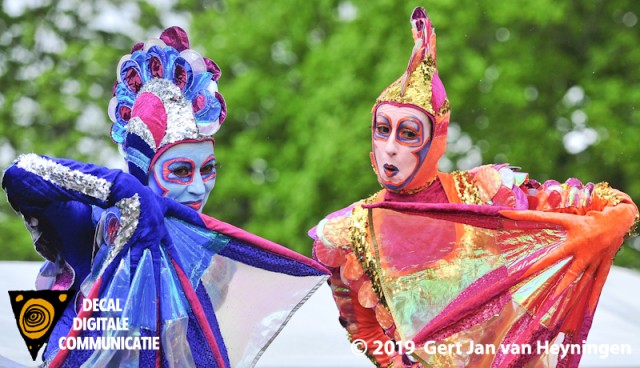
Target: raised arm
(33, 182)
(596, 227)
(572, 196)
(55, 196)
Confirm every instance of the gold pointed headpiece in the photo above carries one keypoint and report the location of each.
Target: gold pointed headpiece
(420, 84)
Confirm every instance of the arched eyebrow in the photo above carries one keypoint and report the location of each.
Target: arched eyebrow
(179, 160)
(412, 119)
(383, 116)
(429, 120)
(208, 159)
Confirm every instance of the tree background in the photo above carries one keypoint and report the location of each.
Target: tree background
(549, 86)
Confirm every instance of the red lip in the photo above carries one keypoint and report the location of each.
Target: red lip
(195, 205)
(390, 170)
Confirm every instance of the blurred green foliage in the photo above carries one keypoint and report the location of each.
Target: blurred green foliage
(548, 86)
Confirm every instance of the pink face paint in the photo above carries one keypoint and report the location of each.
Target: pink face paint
(400, 143)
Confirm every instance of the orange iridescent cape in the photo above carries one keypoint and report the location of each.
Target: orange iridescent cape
(500, 274)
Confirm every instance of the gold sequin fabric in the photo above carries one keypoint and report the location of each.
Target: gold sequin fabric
(466, 188)
(604, 191)
(418, 91)
(361, 248)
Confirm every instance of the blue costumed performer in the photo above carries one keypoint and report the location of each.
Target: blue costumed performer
(211, 294)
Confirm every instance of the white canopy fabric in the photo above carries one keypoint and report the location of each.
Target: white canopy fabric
(314, 338)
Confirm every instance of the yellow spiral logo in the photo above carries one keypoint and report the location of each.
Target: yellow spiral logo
(35, 318)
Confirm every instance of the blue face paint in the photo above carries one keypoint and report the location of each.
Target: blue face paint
(185, 173)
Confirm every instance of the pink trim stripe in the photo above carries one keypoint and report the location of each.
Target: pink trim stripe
(199, 314)
(60, 357)
(466, 302)
(258, 242)
(440, 130)
(476, 215)
(166, 147)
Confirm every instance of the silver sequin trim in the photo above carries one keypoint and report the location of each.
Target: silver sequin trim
(181, 124)
(129, 215)
(64, 177)
(138, 127)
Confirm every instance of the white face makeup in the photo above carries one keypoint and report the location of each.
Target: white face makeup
(186, 173)
(400, 143)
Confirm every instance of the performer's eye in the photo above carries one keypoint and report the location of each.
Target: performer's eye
(207, 169)
(181, 171)
(383, 129)
(408, 134)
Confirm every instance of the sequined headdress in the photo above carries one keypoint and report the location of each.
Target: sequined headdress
(420, 87)
(166, 93)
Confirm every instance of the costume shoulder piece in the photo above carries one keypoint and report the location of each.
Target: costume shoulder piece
(333, 234)
(490, 185)
(503, 185)
(342, 244)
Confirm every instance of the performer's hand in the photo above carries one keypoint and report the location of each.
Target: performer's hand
(142, 212)
(592, 242)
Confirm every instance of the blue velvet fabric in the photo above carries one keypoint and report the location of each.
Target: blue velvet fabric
(74, 246)
(257, 257)
(213, 322)
(27, 191)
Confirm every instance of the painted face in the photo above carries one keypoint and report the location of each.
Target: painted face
(186, 173)
(400, 139)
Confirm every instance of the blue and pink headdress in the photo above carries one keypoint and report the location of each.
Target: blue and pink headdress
(166, 93)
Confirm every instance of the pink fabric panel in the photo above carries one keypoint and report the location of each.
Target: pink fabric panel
(198, 312)
(418, 243)
(150, 109)
(438, 94)
(472, 299)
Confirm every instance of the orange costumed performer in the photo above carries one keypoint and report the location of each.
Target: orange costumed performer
(481, 268)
